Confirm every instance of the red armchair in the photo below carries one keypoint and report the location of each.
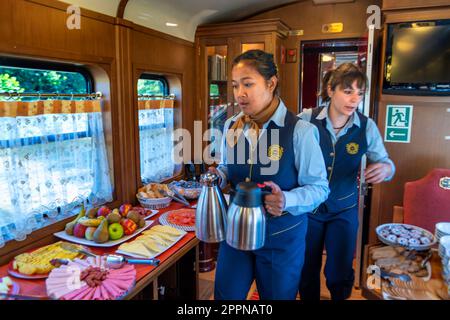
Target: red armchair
(426, 201)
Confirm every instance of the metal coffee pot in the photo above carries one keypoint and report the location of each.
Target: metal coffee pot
(210, 214)
(246, 222)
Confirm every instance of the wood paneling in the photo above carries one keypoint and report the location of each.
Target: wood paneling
(428, 148)
(121, 8)
(410, 4)
(309, 18)
(115, 51)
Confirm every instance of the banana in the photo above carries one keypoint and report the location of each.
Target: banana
(88, 222)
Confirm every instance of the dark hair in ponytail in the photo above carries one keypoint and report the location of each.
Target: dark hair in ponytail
(262, 61)
(344, 76)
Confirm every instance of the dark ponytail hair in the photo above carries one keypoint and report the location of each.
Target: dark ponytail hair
(262, 61)
(344, 76)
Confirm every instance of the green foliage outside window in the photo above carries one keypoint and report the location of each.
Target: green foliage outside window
(43, 81)
(149, 87)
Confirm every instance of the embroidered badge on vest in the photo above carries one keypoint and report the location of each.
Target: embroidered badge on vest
(275, 152)
(352, 148)
(444, 183)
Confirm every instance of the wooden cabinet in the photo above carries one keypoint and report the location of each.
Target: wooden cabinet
(216, 47)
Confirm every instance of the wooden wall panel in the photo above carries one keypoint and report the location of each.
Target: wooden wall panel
(40, 29)
(409, 4)
(113, 50)
(428, 149)
(309, 18)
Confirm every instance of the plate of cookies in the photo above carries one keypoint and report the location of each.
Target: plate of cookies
(405, 235)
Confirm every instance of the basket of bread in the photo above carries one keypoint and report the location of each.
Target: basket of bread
(153, 196)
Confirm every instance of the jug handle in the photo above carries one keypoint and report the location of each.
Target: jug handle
(265, 189)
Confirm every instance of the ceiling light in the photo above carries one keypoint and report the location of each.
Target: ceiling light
(170, 24)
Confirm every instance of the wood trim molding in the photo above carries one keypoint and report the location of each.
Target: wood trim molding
(121, 8)
(416, 15)
(389, 5)
(235, 28)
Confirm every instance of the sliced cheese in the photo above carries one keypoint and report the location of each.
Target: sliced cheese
(136, 248)
(167, 229)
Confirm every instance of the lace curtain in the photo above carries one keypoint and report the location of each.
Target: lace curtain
(52, 157)
(156, 124)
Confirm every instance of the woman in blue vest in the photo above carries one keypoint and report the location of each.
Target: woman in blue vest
(345, 136)
(265, 143)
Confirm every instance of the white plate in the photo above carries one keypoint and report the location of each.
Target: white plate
(152, 256)
(443, 227)
(151, 214)
(163, 220)
(63, 235)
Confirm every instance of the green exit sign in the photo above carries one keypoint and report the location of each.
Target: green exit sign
(398, 123)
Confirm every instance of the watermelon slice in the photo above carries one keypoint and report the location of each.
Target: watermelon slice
(182, 217)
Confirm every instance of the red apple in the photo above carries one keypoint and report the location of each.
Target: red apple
(124, 209)
(103, 211)
(129, 226)
(79, 230)
(139, 210)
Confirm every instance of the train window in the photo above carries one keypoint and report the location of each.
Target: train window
(156, 125)
(52, 151)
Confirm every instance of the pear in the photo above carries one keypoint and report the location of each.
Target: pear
(71, 225)
(92, 213)
(101, 235)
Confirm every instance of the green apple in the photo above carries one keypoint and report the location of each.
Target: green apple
(115, 231)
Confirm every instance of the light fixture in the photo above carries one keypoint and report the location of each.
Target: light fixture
(170, 24)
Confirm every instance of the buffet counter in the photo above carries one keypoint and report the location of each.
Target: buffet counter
(148, 284)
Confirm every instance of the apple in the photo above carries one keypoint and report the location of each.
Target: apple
(139, 210)
(124, 209)
(89, 234)
(79, 230)
(103, 211)
(129, 226)
(115, 231)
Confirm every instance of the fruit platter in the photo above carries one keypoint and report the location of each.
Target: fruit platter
(90, 279)
(405, 235)
(103, 227)
(183, 219)
(188, 189)
(152, 242)
(7, 286)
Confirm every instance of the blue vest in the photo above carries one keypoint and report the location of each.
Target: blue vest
(342, 161)
(287, 174)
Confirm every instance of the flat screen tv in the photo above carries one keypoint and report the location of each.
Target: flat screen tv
(417, 59)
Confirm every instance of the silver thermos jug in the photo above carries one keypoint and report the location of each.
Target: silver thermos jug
(246, 217)
(210, 215)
